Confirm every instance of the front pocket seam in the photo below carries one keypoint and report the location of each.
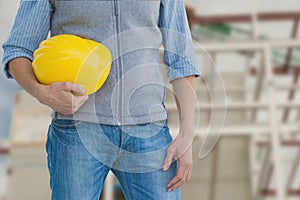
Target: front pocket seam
(64, 133)
(76, 123)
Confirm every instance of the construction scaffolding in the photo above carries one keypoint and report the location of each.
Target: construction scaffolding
(281, 129)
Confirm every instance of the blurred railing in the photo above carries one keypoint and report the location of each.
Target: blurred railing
(261, 169)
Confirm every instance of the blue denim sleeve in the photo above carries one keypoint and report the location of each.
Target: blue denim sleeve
(31, 26)
(179, 53)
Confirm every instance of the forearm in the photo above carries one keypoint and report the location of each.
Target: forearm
(181, 147)
(184, 92)
(21, 70)
(59, 96)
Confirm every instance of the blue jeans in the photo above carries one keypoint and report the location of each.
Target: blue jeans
(80, 155)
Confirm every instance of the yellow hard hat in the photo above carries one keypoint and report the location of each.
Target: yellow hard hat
(69, 58)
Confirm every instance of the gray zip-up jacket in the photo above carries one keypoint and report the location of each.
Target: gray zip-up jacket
(133, 30)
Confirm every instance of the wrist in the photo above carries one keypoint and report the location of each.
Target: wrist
(39, 92)
(187, 130)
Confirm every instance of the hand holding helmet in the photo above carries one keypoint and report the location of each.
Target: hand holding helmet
(69, 69)
(69, 58)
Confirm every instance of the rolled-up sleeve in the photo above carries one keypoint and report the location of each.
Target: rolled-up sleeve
(179, 53)
(31, 26)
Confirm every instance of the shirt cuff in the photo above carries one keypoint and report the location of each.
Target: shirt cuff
(11, 53)
(181, 70)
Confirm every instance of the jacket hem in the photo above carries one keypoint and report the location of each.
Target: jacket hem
(111, 120)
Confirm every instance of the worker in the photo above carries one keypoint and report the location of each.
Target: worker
(123, 127)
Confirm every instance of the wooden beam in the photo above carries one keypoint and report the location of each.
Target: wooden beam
(292, 91)
(290, 49)
(268, 192)
(4, 151)
(283, 143)
(280, 70)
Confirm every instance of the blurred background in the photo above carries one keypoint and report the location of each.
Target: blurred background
(255, 47)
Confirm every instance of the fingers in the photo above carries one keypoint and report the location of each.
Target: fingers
(179, 177)
(185, 163)
(63, 97)
(78, 101)
(71, 87)
(72, 107)
(169, 157)
(182, 176)
(78, 90)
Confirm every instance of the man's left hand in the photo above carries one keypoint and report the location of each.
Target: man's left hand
(181, 150)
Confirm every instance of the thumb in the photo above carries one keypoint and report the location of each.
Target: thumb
(70, 87)
(78, 90)
(168, 159)
(75, 88)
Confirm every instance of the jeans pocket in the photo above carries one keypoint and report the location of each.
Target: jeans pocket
(65, 123)
(65, 130)
(151, 138)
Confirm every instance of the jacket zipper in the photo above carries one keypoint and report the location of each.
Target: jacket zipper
(118, 75)
(118, 70)
(116, 7)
